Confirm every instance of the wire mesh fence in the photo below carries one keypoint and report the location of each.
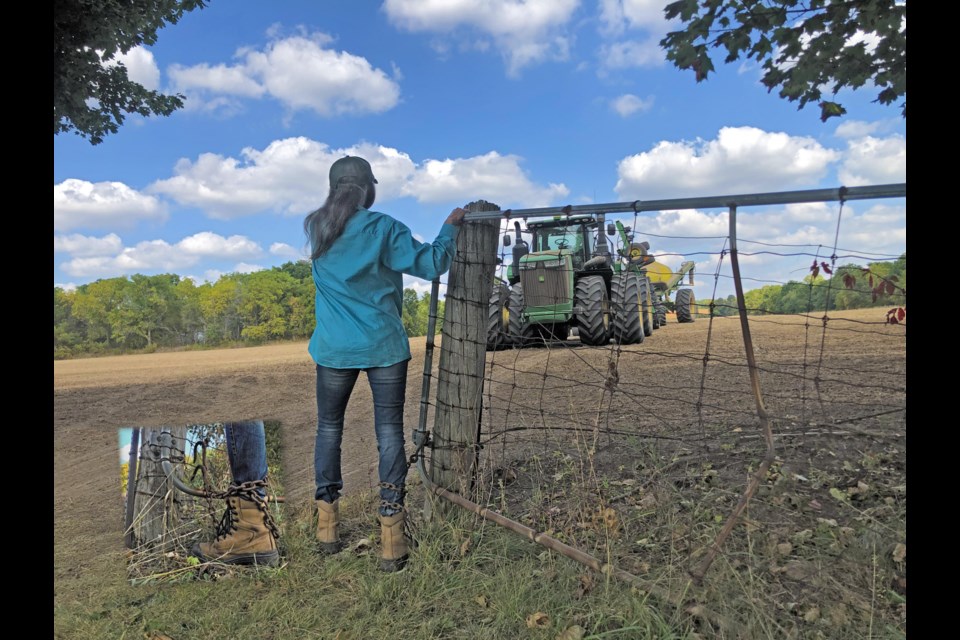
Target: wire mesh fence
(638, 451)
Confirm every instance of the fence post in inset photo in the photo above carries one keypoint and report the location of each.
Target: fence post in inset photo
(463, 355)
(157, 503)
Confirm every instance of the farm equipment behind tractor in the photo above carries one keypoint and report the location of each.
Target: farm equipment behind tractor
(566, 280)
(663, 280)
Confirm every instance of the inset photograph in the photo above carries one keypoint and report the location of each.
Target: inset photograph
(201, 501)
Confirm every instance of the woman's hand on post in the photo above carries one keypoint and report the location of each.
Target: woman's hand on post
(456, 217)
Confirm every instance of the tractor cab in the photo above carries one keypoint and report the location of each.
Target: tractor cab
(567, 237)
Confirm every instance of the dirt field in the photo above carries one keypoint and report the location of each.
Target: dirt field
(661, 383)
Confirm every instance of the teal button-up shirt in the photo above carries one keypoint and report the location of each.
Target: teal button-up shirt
(359, 290)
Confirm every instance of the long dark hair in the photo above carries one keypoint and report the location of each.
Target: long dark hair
(326, 224)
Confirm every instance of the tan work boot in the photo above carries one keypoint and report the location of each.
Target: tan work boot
(243, 537)
(394, 549)
(328, 521)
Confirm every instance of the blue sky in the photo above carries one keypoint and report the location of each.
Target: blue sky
(535, 103)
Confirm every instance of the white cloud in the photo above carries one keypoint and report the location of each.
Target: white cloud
(628, 104)
(285, 250)
(300, 72)
(632, 53)
(691, 222)
(125, 454)
(141, 67)
(78, 204)
(881, 228)
(159, 255)
(491, 176)
(740, 160)
(207, 244)
(856, 129)
(87, 246)
(870, 160)
(645, 20)
(216, 79)
(243, 267)
(210, 275)
(288, 176)
(66, 286)
(524, 31)
(617, 15)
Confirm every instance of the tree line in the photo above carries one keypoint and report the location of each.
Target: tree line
(144, 313)
(848, 287)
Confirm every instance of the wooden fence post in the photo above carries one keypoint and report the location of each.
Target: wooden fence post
(157, 504)
(463, 356)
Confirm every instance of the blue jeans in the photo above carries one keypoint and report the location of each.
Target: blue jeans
(247, 451)
(334, 386)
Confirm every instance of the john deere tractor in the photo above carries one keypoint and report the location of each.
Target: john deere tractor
(559, 282)
(567, 279)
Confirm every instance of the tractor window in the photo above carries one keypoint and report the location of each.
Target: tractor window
(569, 238)
(565, 238)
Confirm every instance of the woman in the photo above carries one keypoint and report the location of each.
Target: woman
(359, 258)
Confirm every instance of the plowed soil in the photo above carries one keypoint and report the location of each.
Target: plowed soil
(93, 398)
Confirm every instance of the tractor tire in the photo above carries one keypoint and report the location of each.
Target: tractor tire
(686, 305)
(660, 308)
(625, 294)
(646, 303)
(498, 319)
(594, 322)
(521, 333)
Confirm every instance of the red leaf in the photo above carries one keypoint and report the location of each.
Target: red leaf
(871, 280)
(893, 279)
(815, 270)
(849, 281)
(874, 295)
(826, 268)
(901, 313)
(890, 288)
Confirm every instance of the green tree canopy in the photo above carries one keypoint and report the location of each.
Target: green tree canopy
(93, 98)
(805, 47)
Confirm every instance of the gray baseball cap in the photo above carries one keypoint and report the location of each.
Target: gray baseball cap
(353, 169)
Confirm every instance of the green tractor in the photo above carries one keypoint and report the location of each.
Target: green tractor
(567, 281)
(557, 283)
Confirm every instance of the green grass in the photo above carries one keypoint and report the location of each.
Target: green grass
(819, 554)
(487, 592)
